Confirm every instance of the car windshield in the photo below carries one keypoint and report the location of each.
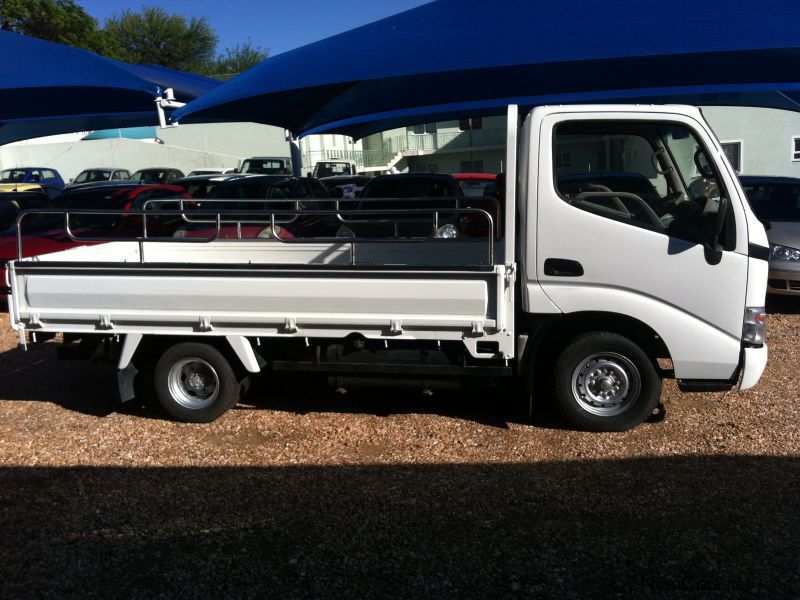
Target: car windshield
(12, 175)
(156, 175)
(93, 175)
(477, 187)
(403, 187)
(774, 202)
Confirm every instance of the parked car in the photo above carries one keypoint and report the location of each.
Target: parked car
(160, 175)
(267, 165)
(776, 203)
(476, 184)
(200, 186)
(13, 203)
(277, 191)
(416, 191)
(211, 171)
(101, 174)
(345, 186)
(44, 176)
(45, 233)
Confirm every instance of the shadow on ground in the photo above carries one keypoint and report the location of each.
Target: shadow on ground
(687, 527)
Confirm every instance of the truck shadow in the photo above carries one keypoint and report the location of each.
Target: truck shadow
(91, 389)
(722, 527)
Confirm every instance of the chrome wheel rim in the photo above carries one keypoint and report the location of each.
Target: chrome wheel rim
(606, 384)
(193, 383)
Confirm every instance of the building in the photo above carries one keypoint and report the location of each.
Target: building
(757, 141)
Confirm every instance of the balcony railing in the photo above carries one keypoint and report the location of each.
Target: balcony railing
(410, 144)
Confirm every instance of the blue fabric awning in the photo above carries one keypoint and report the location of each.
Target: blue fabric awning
(470, 57)
(48, 88)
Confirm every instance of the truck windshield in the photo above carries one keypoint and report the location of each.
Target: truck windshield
(265, 166)
(330, 169)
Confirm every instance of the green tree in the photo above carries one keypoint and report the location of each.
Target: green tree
(61, 21)
(233, 61)
(157, 37)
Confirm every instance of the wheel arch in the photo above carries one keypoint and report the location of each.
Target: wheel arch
(549, 336)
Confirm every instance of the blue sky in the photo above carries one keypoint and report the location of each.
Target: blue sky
(278, 26)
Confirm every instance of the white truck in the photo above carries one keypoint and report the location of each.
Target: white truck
(627, 253)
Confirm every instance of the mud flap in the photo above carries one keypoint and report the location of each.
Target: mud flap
(125, 379)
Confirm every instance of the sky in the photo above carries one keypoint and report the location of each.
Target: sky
(276, 26)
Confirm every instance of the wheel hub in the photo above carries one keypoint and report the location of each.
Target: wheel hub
(193, 383)
(606, 384)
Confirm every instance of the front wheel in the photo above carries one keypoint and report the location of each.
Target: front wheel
(605, 382)
(195, 383)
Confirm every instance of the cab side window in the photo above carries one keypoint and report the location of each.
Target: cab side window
(642, 174)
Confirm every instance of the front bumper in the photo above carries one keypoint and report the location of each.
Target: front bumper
(755, 361)
(784, 279)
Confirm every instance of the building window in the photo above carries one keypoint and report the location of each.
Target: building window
(473, 166)
(423, 129)
(733, 152)
(473, 123)
(563, 159)
(796, 148)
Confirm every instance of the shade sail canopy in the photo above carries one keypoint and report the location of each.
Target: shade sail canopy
(461, 57)
(48, 88)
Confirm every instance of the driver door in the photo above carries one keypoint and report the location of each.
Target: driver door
(622, 228)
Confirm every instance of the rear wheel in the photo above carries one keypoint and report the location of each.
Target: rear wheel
(195, 383)
(605, 382)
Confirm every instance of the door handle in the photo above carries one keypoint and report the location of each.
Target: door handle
(562, 267)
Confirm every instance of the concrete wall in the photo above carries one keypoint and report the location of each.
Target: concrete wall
(766, 137)
(186, 148)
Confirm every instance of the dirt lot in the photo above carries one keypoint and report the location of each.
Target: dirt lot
(306, 494)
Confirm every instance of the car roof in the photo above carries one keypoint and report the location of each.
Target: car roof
(207, 177)
(767, 179)
(483, 176)
(245, 179)
(415, 176)
(335, 178)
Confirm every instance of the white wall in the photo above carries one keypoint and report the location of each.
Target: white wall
(186, 148)
(766, 136)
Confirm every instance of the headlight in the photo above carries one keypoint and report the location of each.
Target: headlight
(755, 325)
(345, 232)
(267, 232)
(784, 254)
(447, 232)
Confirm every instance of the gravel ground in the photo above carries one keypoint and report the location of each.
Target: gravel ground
(306, 494)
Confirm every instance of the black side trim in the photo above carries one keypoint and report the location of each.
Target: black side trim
(562, 267)
(705, 385)
(391, 369)
(4, 290)
(170, 269)
(758, 252)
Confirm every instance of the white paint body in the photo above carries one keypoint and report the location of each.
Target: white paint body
(244, 289)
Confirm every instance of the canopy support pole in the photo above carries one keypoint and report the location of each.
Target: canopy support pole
(294, 152)
(510, 207)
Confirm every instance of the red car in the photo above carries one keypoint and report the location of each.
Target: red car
(43, 234)
(476, 184)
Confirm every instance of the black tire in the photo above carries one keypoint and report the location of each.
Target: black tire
(195, 383)
(605, 382)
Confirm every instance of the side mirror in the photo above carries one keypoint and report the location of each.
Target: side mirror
(713, 249)
(701, 162)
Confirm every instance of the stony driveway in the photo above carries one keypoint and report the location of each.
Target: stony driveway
(306, 494)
